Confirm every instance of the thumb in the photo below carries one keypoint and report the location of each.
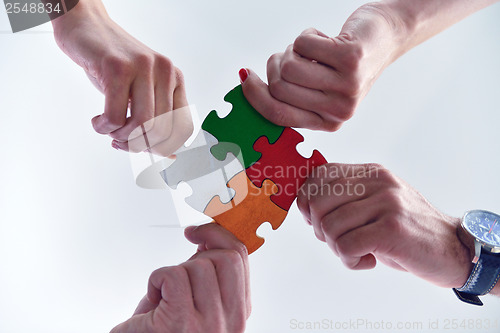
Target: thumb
(212, 236)
(258, 95)
(140, 323)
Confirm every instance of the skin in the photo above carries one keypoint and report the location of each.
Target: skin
(367, 214)
(319, 81)
(127, 72)
(209, 293)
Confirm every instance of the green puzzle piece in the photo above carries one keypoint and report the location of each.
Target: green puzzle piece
(242, 126)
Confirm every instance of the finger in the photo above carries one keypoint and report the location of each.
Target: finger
(180, 96)
(258, 95)
(348, 217)
(212, 236)
(298, 96)
(306, 73)
(313, 31)
(360, 263)
(159, 128)
(115, 108)
(140, 323)
(169, 129)
(142, 139)
(204, 285)
(232, 280)
(141, 111)
(316, 179)
(172, 285)
(144, 306)
(320, 48)
(329, 179)
(360, 242)
(120, 145)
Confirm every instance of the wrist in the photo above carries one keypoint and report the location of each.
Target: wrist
(393, 29)
(85, 10)
(469, 242)
(403, 24)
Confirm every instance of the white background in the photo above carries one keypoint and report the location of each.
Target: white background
(78, 239)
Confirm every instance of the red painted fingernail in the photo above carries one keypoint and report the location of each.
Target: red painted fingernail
(243, 74)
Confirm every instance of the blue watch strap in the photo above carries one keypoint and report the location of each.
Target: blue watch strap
(483, 278)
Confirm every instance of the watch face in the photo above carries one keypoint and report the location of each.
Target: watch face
(483, 225)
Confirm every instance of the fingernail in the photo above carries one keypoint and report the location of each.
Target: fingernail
(243, 74)
(115, 145)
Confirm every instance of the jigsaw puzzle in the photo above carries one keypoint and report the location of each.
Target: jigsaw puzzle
(246, 212)
(263, 176)
(206, 175)
(243, 126)
(281, 163)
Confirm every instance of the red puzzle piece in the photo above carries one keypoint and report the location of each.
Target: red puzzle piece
(281, 163)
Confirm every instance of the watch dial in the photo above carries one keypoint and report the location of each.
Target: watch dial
(484, 225)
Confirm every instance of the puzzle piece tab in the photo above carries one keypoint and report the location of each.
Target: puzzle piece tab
(282, 164)
(249, 208)
(206, 175)
(243, 126)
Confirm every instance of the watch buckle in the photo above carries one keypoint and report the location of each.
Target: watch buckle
(477, 252)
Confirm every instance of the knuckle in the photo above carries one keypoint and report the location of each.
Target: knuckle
(331, 126)
(176, 273)
(233, 257)
(164, 63)
(392, 198)
(375, 166)
(273, 58)
(302, 41)
(387, 177)
(288, 68)
(113, 122)
(179, 77)
(204, 264)
(353, 86)
(241, 250)
(353, 56)
(158, 272)
(278, 115)
(276, 89)
(118, 66)
(144, 60)
(374, 170)
(326, 224)
(344, 247)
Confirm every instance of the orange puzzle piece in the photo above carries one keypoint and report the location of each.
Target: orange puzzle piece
(250, 207)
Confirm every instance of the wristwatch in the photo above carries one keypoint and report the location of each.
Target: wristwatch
(483, 228)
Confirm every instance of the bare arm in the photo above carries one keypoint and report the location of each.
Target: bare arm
(129, 74)
(319, 81)
(424, 19)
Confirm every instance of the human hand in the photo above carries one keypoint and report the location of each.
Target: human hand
(365, 213)
(319, 81)
(208, 293)
(128, 73)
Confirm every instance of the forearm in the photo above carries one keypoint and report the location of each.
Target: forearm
(84, 10)
(419, 20)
